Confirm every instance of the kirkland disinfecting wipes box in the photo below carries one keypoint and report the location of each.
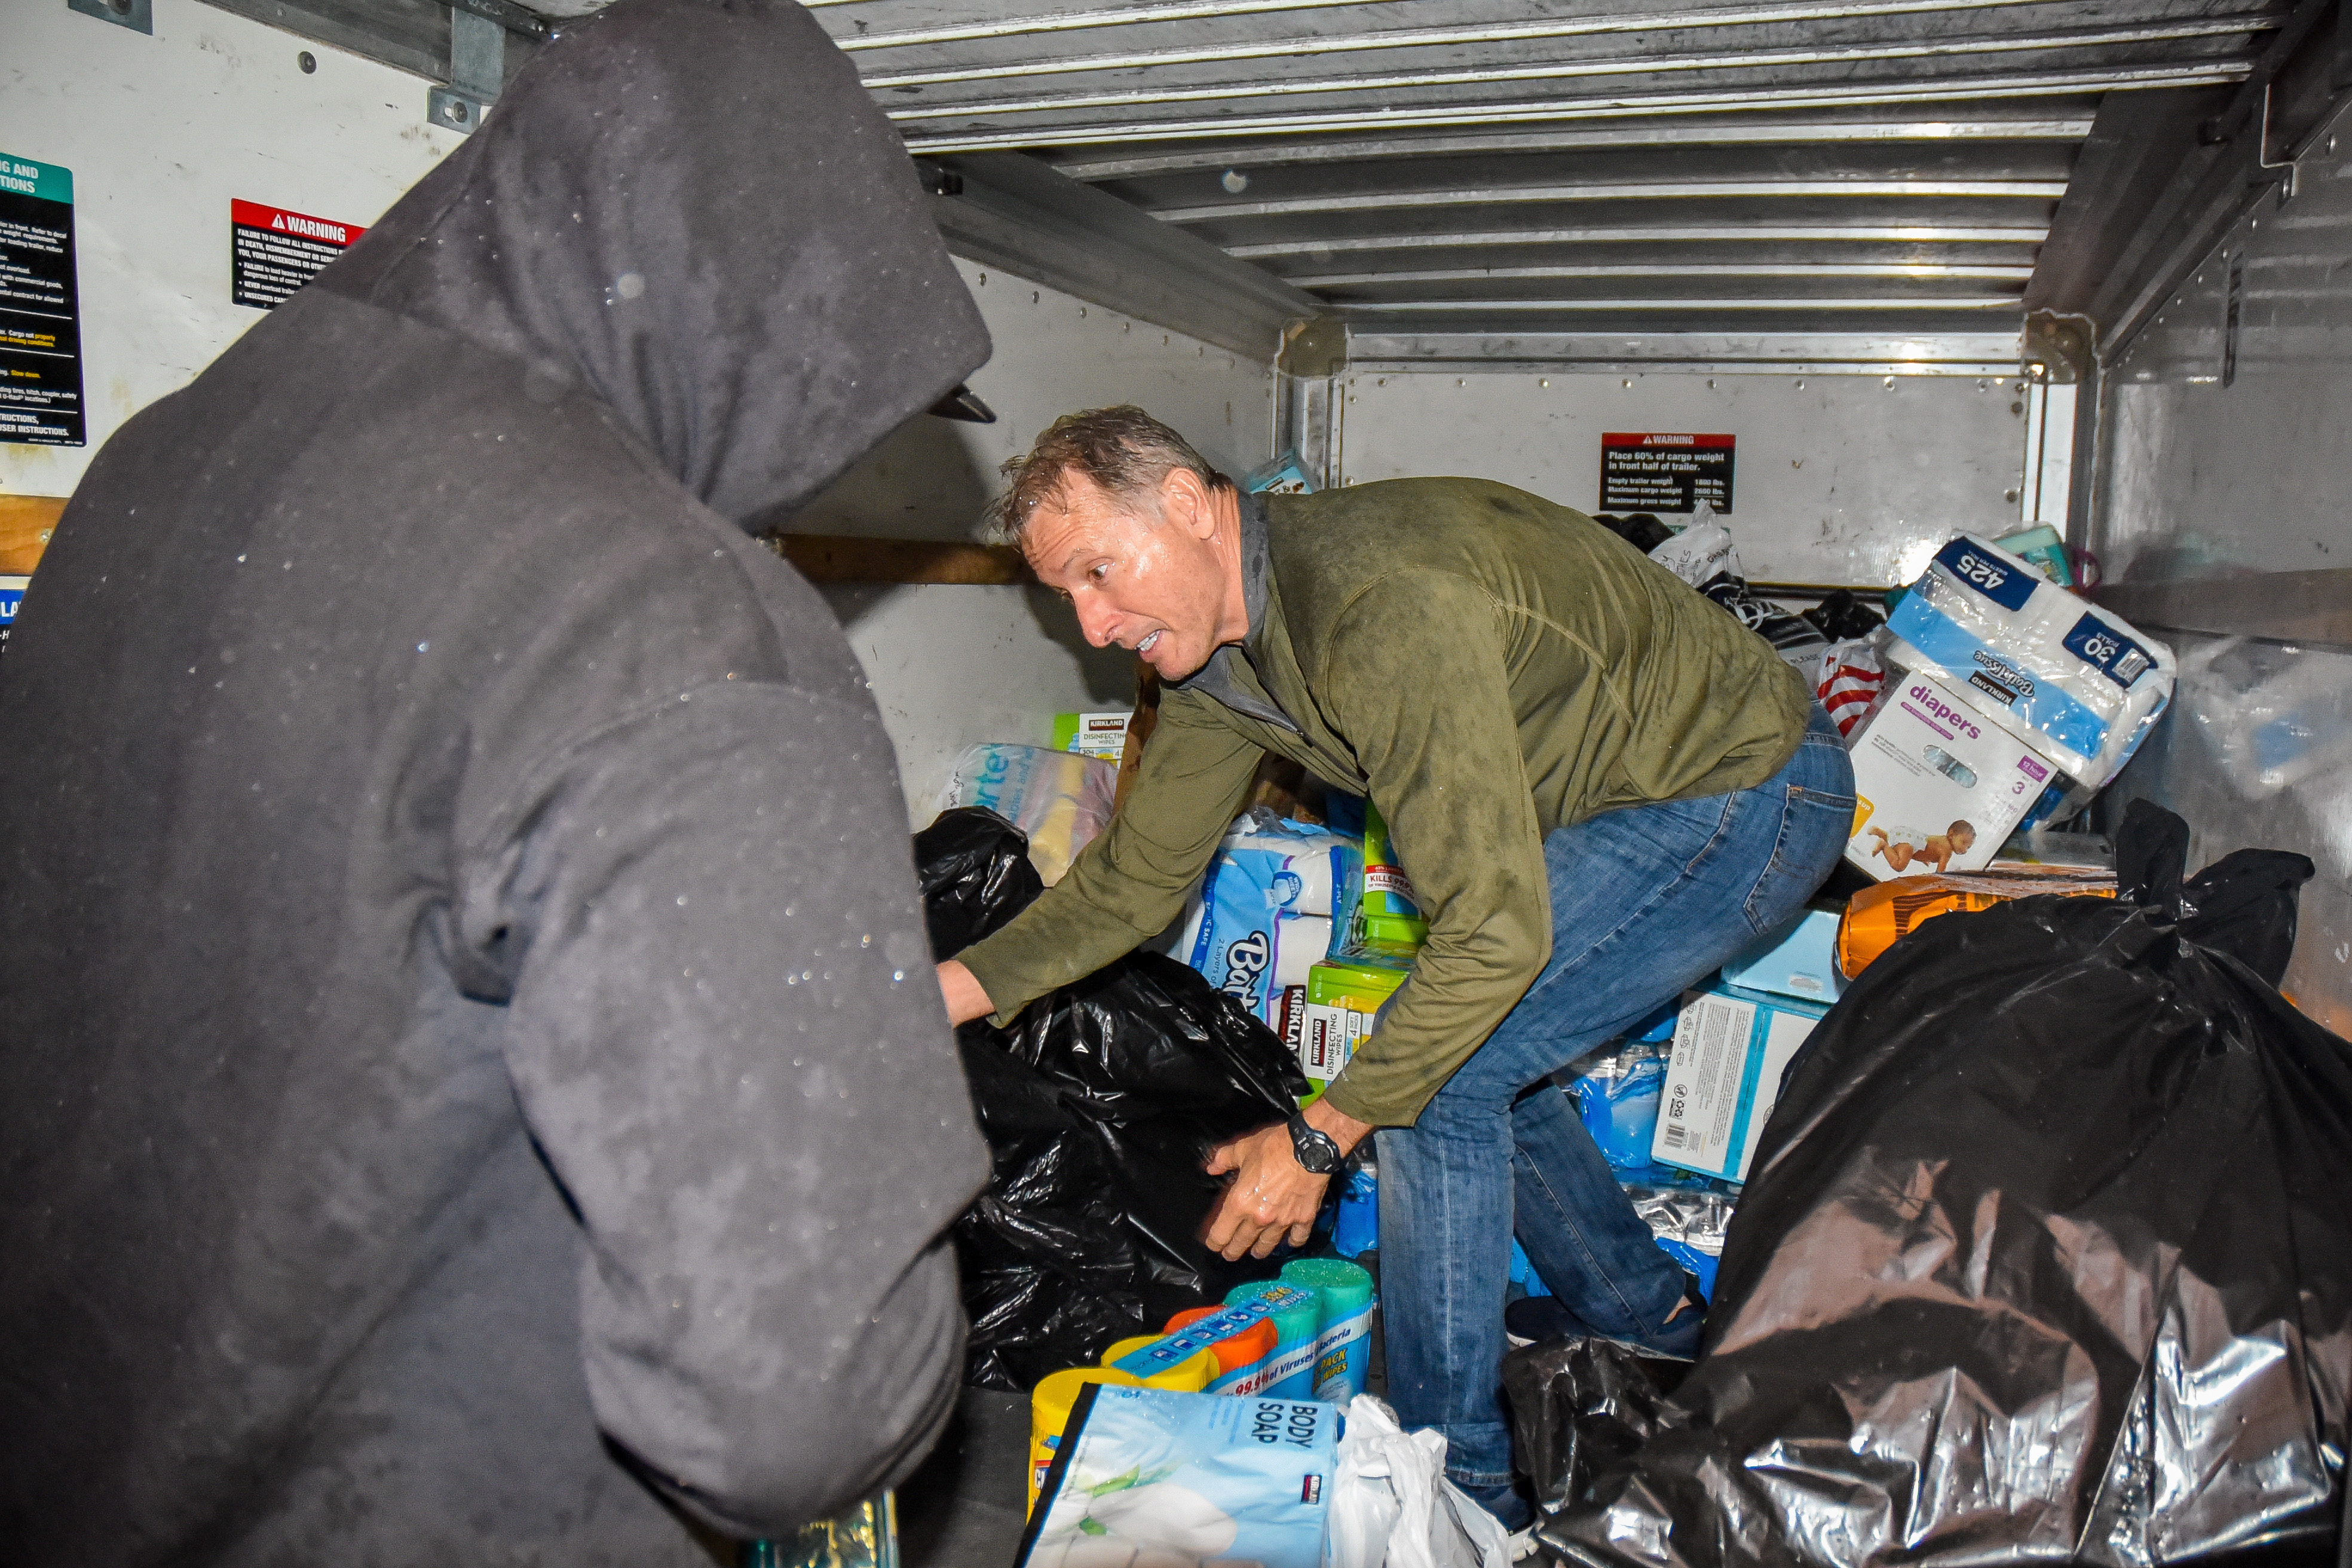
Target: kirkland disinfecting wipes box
(1730, 1047)
(1937, 784)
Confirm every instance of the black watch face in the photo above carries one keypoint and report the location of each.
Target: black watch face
(1317, 1153)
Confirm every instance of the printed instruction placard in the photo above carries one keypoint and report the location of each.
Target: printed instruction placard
(1654, 472)
(40, 307)
(272, 251)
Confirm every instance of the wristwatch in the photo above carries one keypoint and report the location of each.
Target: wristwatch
(1316, 1152)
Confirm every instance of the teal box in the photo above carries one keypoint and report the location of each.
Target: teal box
(1730, 1049)
(1798, 960)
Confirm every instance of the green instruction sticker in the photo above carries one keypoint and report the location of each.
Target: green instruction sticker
(26, 178)
(40, 307)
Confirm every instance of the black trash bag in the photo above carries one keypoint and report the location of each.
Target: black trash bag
(974, 871)
(1845, 615)
(1642, 530)
(1099, 1105)
(2047, 1255)
(1579, 1405)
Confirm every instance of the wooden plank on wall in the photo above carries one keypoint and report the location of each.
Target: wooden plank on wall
(843, 558)
(26, 524)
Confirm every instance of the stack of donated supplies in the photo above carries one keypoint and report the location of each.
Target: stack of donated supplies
(1313, 928)
(2007, 703)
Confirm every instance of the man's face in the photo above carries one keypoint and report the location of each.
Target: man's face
(1143, 576)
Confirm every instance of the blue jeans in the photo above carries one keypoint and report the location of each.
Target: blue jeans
(1645, 901)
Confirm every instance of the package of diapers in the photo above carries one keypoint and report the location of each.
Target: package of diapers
(2079, 685)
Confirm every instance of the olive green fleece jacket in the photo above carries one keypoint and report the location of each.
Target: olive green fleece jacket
(1486, 667)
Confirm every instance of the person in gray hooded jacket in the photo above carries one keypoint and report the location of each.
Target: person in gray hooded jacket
(474, 1080)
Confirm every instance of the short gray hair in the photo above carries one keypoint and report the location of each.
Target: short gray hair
(1122, 449)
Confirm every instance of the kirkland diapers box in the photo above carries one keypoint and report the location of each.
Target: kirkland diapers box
(1730, 1049)
(1937, 784)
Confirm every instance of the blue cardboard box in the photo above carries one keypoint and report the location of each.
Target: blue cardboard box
(1798, 960)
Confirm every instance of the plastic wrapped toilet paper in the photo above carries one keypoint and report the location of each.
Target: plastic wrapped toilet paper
(1262, 918)
(2079, 685)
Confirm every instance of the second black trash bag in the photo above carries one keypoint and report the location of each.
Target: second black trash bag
(2047, 1256)
(1101, 1104)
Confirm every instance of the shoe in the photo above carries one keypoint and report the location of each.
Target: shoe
(1531, 1320)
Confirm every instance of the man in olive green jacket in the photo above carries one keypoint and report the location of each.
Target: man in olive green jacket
(1601, 785)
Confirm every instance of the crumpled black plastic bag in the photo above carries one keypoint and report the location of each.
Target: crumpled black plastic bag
(2047, 1255)
(1580, 1406)
(1100, 1104)
(973, 868)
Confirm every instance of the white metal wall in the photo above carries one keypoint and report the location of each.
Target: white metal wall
(951, 666)
(1055, 354)
(161, 133)
(2210, 468)
(1839, 479)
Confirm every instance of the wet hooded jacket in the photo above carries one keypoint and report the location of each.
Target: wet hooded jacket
(471, 1059)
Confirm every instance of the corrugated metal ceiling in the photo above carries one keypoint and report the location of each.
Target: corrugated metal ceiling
(1511, 165)
(1434, 170)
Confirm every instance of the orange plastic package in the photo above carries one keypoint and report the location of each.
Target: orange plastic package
(1885, 912)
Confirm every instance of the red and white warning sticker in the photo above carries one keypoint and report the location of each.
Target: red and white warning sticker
(272, 251)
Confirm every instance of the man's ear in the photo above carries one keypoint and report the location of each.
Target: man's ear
(1184, 501)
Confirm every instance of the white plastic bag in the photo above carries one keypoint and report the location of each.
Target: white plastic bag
(1392, 1506)
(1699, 553)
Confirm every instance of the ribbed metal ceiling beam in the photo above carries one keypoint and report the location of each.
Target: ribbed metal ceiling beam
(1729, 132)
(1642, 65)
(1570, 307)
(1071, 21)
(1909, 270)
(1454, 37)
(1616, 191)
(1686, 234)
(1908, 90)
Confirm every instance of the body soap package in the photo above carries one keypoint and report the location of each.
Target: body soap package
(1148, 1475)
(2079, 685)
(1730, 1047)
(1937, 784)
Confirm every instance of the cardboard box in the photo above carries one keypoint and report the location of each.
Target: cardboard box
(1939, 785)
(1100, 735)
(1343, 1007)
(1798, 960)
(1730, 1049)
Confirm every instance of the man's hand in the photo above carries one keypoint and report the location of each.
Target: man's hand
(1273, 1196)
(960, 991)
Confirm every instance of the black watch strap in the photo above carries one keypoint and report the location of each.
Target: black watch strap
(1317, 1151)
